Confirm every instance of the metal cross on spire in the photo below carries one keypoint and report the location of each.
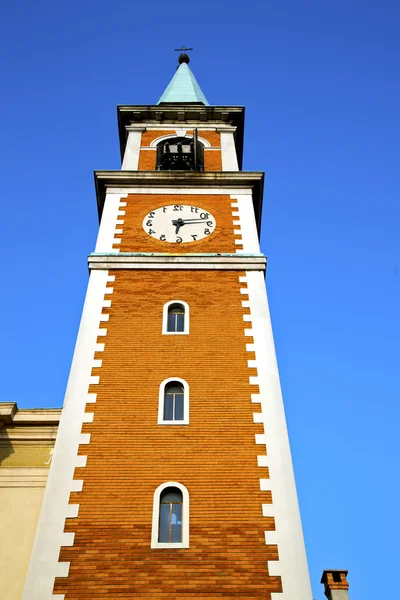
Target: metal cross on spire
(183, 57)
(183, 49)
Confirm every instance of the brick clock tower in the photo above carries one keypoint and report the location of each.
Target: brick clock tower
(172, 475)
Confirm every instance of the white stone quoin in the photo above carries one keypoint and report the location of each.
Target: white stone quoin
(50, 537)
(292, 564)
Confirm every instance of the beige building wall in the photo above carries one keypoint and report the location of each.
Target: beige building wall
(19, 513)
(26, 443)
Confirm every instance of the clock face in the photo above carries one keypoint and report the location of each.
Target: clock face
(177, 223)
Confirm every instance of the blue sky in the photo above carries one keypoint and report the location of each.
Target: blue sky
(321, 88)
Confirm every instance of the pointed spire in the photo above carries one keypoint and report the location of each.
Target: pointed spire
(183, 87)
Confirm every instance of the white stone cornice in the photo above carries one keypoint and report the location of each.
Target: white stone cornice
(179, 191)
(185, 182)
(195, 125)
(135, 128)
(234, 262)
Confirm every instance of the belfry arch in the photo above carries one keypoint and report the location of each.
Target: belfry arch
(180, 154)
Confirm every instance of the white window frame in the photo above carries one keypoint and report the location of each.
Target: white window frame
(173, 134)
(165, 318)
(156, 517)
(163, 384)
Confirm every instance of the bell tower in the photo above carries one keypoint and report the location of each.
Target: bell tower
(172, 475)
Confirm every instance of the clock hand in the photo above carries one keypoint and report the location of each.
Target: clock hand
(183, 221)
(179, 222)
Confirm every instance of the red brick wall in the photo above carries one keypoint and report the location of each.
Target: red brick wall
(147, 160)
(212, 160)
(129, 455)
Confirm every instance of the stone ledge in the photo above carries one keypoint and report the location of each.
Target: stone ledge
(234, 262)
(23, 477)
(10, 413)
(7, 411)
(38, 415)
(254, 180)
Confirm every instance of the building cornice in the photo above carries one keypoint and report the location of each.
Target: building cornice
(10, 413)
(136, 260)
(182, 179)
(7, 412)
(181, 114)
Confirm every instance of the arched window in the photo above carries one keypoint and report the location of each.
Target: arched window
(170, 526)
(180, 154)
(170, 516)
(175, 317)
(173, 403)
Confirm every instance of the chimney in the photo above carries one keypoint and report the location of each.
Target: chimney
(336, 584)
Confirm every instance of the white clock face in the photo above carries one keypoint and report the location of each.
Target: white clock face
(177, 223)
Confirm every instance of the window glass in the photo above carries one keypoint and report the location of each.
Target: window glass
(176, 318)
(176, 523)
(170, 527)
(164, 523)
(171, 495)
(173, 402)
(168, 407)
(171, 322)
(178, 407)
(180, 322)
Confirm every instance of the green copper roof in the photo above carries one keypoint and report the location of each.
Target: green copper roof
(184, 88)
